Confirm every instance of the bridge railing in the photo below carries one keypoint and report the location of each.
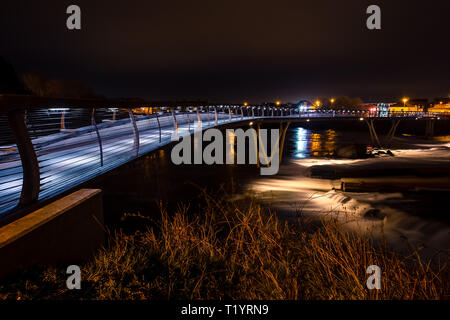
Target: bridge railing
(46, 150)
(48, 146)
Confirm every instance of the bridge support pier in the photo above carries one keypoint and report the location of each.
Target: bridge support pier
(391, 132)
(283, 131)
(373, 133)
(429, 128)
(279, 144)
(390, 135)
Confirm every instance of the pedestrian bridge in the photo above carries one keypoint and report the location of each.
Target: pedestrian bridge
(49, 146)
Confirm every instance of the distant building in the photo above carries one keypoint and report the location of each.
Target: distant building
(379, 108)
(440, 105)
(413, 105)
(304, 105)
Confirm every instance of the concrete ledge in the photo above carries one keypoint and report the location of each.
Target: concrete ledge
(65, 231)
(393, 184)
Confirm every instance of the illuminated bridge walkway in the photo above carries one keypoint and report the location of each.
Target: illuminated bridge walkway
(48, 146)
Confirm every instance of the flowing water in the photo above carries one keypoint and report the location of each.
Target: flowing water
(307, 184)
(403, 218)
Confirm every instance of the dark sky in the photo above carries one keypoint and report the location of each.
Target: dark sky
(235, 50)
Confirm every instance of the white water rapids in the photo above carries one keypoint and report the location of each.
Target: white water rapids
(293, 191)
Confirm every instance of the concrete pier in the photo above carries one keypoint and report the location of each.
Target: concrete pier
(66, 231)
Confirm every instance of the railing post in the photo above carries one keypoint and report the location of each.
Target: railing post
(189, 122)
(217, 116)
(30, 164)
(94, 123)
(253, 112)
(159, 126)
(242, 113)
(229, 112)
(63, 122)
(207, 113)
(199, 120)
(175, 123)
(135, 130)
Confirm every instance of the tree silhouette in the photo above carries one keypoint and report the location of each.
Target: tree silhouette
(348, 103)
(41, 86)
(9, 82)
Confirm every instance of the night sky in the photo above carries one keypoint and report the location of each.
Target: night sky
(234, 51)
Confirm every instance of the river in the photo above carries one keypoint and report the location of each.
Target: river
(306, 184)
(406, 219)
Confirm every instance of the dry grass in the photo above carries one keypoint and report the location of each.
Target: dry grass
(238, 250)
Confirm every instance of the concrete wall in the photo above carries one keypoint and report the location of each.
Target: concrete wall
(66, 231)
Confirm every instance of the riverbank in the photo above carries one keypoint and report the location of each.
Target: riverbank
(236, 249)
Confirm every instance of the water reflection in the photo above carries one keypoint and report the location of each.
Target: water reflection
(330, 144)
(301, 143)
(230, 151)
(308, 143)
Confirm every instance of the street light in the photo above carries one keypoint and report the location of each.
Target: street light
(278, 103)
(318, 103)
(405, 100)
(245, 104)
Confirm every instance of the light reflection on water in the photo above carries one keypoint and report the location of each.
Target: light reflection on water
(405, 216)
(301, 136)
(316, 144)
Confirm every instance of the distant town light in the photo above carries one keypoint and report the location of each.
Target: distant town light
(278, 103)
(245, 104)
(332, 100)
